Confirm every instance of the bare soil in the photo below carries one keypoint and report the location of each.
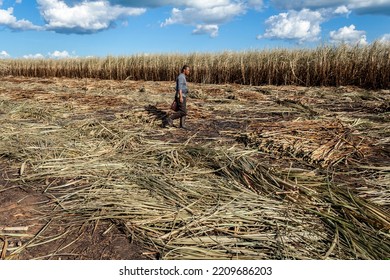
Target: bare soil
(21, 208)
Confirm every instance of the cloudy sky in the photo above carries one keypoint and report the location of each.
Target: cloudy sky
(79, 28)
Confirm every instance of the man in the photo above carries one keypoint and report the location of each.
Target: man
(181, 98)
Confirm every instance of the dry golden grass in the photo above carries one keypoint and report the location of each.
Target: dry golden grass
(363, 66)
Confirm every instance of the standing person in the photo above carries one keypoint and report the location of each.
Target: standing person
(181, 98)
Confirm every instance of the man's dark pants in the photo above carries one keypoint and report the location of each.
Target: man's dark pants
(182, 112)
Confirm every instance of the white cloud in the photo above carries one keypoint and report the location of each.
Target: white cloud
(84, 17)
(208, 18)
(204, 15)
(360, 6)
(213, 15)
(90, 16)
(55, 55)
(348, 35)
(342, 10)
(256, 4)
(203, 4)
(370, 6)
(59, 54)
(385, 39)
(300, 4)
(4, 54)
(34, 56)
(200, 4)
(9, 20)
(211, 29)
(301, 26)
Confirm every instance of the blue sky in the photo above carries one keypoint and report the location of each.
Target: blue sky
(74, 28)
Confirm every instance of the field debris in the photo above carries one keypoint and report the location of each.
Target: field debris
(265, 172)
(322, 142)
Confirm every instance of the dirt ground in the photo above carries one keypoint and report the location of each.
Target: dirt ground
(226, 114)
(21, 207)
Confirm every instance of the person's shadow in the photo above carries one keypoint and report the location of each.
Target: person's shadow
(158, 114)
